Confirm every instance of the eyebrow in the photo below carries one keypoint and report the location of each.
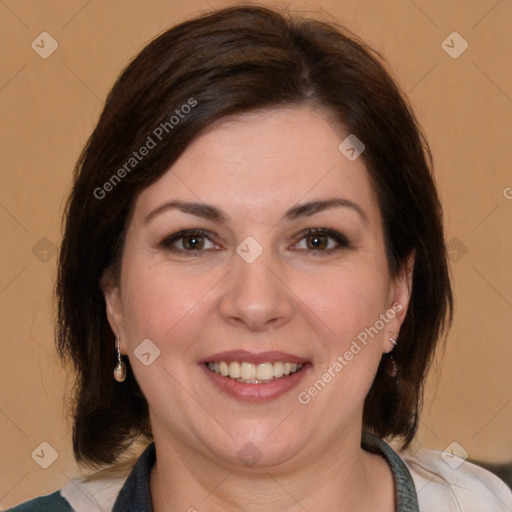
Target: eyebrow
(198, 209)
(213, 213)
(307, 209)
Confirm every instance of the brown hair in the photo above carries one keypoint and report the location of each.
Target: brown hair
(225, 63)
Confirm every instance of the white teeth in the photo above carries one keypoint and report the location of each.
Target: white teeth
(224, 370)
(249, 373)
(265, 371)
(234, 370)
(278, 369)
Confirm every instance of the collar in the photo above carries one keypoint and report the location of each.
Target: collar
(406, 498)
(135, 495)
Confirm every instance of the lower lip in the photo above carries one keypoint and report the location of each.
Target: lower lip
(256, 392)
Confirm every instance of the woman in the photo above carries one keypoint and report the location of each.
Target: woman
(253, 278)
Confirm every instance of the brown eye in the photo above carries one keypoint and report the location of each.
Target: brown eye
(317, 241)
(322, 241)
(193, 242)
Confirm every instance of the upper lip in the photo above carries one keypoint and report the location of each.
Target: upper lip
(249, 357)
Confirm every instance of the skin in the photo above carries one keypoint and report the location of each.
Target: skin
(295, 297)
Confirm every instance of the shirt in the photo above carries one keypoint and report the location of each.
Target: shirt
(424, 482)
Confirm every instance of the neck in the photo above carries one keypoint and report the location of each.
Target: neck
(344, 477)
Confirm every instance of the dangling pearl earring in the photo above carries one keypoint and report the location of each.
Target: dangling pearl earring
(120, 367)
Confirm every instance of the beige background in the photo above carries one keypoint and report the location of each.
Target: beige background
(49, 106)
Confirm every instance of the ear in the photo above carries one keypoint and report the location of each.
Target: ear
(398, 303)
(112, 293)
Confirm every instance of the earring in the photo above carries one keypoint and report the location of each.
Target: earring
(120, 367)
(391, 368)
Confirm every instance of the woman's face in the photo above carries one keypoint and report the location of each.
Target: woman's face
(259, 250)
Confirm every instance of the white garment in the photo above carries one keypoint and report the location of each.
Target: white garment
(94, 496)
(439, 486)
(468, 488)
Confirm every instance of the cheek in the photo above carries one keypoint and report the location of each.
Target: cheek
(167, 308)
(349, 305)
(348, 300)
(159, 303)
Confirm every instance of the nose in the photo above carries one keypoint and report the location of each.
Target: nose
(256, 295)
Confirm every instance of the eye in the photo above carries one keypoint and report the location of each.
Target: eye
(321, 240)
(188, 241)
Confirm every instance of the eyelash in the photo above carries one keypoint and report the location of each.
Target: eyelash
(341, 241)
(171, 239)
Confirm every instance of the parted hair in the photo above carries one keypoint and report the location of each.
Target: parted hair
(228, 62)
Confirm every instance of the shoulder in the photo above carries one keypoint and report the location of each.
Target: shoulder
(79, 495)
(52, 503)
(449, 483)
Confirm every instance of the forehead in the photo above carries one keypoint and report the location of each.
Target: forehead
(265, 161)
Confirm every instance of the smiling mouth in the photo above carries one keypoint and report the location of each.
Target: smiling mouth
(248, 373)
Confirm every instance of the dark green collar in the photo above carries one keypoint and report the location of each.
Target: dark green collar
(405, 491)
(135, 495)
